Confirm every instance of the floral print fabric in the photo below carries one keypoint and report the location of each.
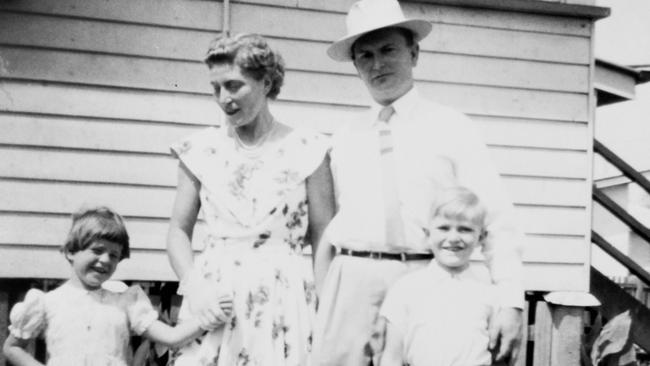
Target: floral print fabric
(255, 210)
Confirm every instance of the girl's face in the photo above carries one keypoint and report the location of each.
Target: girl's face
(453, 240)
(95, 264)
(240, 96)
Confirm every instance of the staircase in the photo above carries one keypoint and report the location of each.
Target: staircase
(613, 297)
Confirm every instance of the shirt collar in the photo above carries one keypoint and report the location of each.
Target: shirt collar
(440, 273)
(403, 105)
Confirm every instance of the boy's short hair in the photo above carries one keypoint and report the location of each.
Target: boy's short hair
(459, 203)
(98, 223)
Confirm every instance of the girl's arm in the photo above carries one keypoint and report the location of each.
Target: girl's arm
(14, 351)
(320, 194)
(185, 331)
(182, 221)
(178, 335)
(392, 355)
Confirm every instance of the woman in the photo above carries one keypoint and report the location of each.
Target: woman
(253, 179)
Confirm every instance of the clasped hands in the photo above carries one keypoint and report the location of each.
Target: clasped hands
(210, 304)
(211, 309)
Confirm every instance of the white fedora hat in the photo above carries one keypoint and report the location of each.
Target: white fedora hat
(369, 15)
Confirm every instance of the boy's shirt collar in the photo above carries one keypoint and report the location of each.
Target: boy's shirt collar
(438, 272)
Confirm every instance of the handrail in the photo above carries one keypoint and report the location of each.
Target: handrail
(615, 300)
(620, 164)
(620, 212)
(621, 258)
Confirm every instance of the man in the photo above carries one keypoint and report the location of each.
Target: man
(386, 171)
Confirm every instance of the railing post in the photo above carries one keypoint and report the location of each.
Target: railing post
(567, 335)
(559, 328)
(558, 331)
(543, 334)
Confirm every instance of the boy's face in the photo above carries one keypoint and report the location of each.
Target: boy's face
(453, 240)
(95, 264)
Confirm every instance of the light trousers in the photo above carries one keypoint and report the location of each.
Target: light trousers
(347, 316)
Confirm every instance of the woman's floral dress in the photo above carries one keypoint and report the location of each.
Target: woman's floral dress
(255, 210)
(84, 327)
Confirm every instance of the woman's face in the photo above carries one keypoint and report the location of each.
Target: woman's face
(240, 96)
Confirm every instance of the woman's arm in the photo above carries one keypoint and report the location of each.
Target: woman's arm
(320, 193)
(14, 351)
(201, 299)
(183, 219)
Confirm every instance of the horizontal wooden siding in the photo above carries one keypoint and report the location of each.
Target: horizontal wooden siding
(93, 92)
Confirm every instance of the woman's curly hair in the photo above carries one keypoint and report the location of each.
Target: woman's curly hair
(252, 54)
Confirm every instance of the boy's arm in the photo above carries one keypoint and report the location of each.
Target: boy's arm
(14, 350)
(392, 355)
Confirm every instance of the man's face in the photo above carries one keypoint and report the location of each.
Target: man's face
(385, 62)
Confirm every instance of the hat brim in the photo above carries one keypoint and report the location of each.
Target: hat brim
(341, 50)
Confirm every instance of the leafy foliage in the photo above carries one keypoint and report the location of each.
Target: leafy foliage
(612, 345)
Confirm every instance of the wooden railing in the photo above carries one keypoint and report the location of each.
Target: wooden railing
(613, 297)
(618, 211)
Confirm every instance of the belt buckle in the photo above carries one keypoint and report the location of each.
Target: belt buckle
(375, 255)
(402, 256)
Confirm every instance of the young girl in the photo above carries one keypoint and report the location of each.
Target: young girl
(439, 315)
(85, 324)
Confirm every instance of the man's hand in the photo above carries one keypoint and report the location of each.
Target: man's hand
(506, 331)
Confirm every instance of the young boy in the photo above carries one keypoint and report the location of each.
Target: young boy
(439, 315)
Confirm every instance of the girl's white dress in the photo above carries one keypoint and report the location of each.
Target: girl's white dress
(255, 210)
(85, 328)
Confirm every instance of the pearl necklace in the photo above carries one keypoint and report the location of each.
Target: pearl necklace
(256, 145)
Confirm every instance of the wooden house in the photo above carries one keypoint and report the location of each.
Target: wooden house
(92, 93)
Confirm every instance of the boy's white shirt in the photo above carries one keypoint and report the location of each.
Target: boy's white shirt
(442, 317)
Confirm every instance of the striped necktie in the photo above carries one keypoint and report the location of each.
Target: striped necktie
(392, 206)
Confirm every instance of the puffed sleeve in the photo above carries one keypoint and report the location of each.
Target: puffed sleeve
(139, 310)
(197, 150)
(28, 317)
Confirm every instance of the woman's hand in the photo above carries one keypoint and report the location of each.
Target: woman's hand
(211, 307)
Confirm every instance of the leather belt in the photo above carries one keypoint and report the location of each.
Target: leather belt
(383, 255)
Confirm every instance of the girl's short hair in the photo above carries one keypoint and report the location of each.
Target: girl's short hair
(459, 203)
(99, 223)
(252, 54)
